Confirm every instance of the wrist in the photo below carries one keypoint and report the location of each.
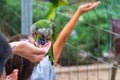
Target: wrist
(13, 47)
(12, 44)
(80, 10)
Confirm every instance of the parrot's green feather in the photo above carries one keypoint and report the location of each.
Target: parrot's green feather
(43, 24)
(51, 13)
(57, 3)
(62, 2)
(53, 8)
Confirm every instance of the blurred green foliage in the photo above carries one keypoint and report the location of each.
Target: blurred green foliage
(10, 16)
(89, 34)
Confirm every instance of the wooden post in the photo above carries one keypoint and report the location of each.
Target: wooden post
(114, 71)
(116, 39)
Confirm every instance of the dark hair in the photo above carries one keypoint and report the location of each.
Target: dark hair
(5, 52)
(24, 66)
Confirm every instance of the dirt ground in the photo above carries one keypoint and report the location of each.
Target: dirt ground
(91, 72)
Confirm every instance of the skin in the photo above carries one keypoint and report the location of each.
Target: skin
(65, 33)
(13, 75)
(29, 51)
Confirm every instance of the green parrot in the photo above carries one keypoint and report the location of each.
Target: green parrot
(53, 7)
(44, 30)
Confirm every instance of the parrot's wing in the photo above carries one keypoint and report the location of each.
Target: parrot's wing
(51, 13)
(62, 2)
(53, 8)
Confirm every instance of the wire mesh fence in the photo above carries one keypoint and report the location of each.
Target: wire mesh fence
(94, 59)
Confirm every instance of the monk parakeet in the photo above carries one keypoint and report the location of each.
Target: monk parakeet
(44, 30)
(52, 8)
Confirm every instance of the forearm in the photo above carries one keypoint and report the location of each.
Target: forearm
(66, 31)
(64, 35)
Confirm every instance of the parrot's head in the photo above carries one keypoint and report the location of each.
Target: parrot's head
(43, 30)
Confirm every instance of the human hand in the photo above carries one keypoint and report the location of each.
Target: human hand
(13, 75)
(87, 7)
(29, 51)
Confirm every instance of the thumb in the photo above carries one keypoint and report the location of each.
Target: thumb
(92, 6)
(47, 46)
(43, 49)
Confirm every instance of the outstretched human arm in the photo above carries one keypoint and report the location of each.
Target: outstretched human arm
(65, 33)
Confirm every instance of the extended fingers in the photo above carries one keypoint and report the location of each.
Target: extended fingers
(44, 48)
(38, 58)
(92, 5)
(39, 53)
